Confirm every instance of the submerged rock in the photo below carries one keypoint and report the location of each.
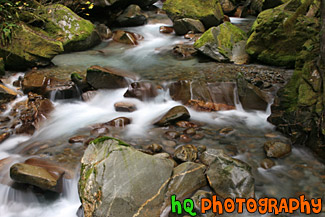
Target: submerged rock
(119, 122)
(176, 113)
(37, 176)
(117, 180)
(218, 42)
(186, 153)
(277, 149)
(108, 78)
(184, 51)
(132, 16)
(208, 12)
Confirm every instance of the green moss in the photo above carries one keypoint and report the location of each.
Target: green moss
(207, 37)
(104, 138)
(306, 95)
(195, 9)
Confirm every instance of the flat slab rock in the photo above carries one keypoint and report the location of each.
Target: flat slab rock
(117, 181)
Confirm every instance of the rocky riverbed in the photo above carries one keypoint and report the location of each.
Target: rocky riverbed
(168, 107)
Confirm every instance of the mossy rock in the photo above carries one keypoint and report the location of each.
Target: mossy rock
(29, 48)
(208, 12)
(75, 33)
(218, 42)
(272, 42)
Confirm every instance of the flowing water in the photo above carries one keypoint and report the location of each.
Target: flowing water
(298, 173)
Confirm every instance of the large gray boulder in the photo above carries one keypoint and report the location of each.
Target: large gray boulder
(117, 180)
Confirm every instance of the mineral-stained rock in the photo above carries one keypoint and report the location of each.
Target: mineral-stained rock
(117, 180)
(229, 177)
(186, 153)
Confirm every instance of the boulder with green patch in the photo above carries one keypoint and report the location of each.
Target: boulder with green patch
(117, 180)
(218, 42)
(208, 12)
(74, 32)
(278, 35)
(29, 48)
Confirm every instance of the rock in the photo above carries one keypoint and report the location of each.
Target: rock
(298, 109)
(169, 143)
(272, 43)
(132, 16)
(208, 12)
(212, 96)
(277, 149)
(218, 42)
(6, 94)
(198, 136)
(37, 52)
(2, 66)
(89, 95)
(209, 106)
(4, 136)
(229, 177)
(185, 124)
(267, 163)
(190, 131)
(184, 25)
(37, 176)
(187, 178)
(142, 90)
(104, 32)
(125, 107)
(155, 148)
(197, 198)
(117, 180)
(119, 122)
(184, 51)
(201, 148)
(162, 155)
(208, 156)
(252, 97)
(239, 54)
(78, 139)
(186, 153)
(108, 78)
(75, 33)
(185, 138)
(172, 134)
(166, 29)
(49, 86)
(37, 109)
(176, 113)
(99, 131)
(125, 37)
(227, 6)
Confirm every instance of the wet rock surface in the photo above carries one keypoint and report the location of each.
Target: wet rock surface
(142, 90)
(174, 114)
(103, 159)
(277, 149)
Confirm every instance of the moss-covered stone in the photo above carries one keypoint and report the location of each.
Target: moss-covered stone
(74, 32)
(29, 48)
(208, 12)
(218, 42)
(298, 109)
(276, 43)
